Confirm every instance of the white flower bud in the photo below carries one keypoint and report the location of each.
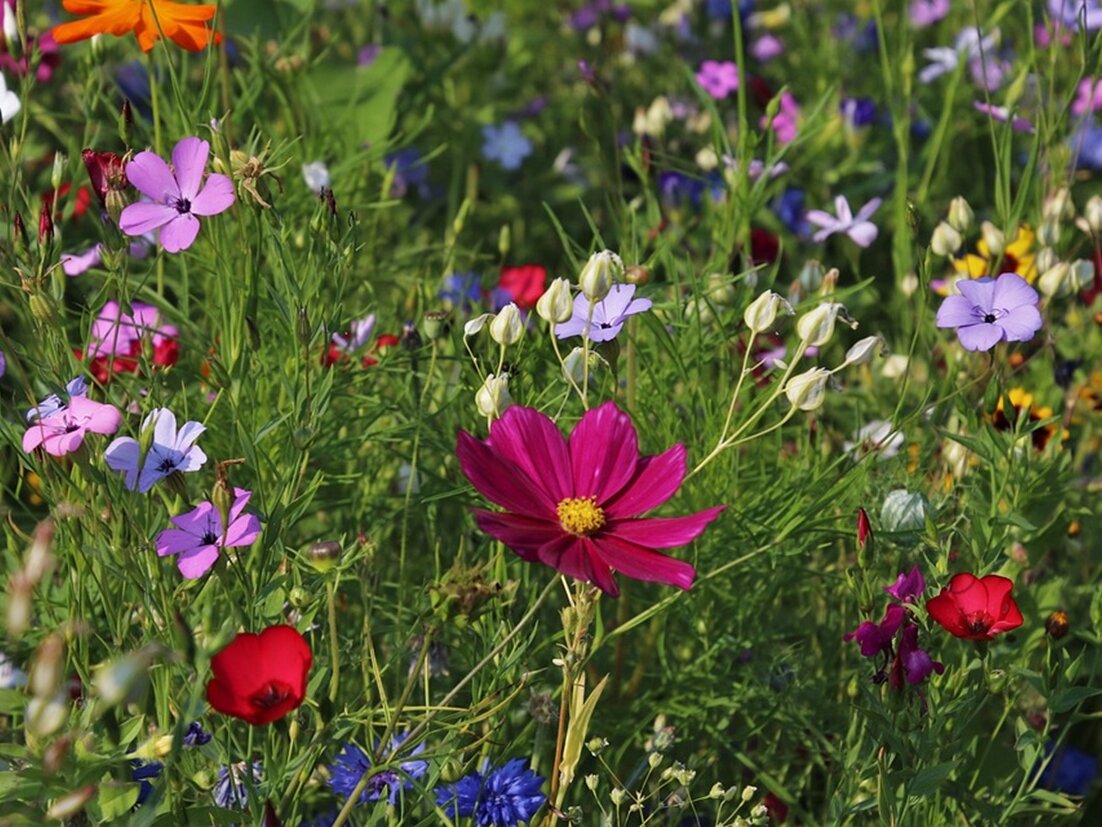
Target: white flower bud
(863, 351)
(717, 791)
(817, 325)
(960, 214)
(1082, 272)
(599, 274)
(762, 312)
(1049, 233)
(493, 397)
(707, 159)
(1093, 213)
(945, 240)
(618, 796)
(124, 677)
(908, 285)
(1055, 281)
(70, 804)
(556, 305)
(720, 289)
(807, 390)
(1046, 259)
(591, 781)
(45, 716)
(994, 239)
(472, 327)
(507, 327)
(316, 175)
(748, 792)
(1058, 206)
(573, 366)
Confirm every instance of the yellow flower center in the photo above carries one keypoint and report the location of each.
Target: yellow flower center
(581, 515)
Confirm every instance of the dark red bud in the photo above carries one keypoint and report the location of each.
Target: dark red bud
(45, 225)
(864, 528)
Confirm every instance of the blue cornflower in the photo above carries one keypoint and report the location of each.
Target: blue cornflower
(501, 797)
(169, 452)
(789, 208)
(858, 112)
(141, 771)
(505, 144)
(1071, 770)
(231, 792)
(1086, 143)
(196, 736)
(462, 290)
(410, 173)
(352, 762)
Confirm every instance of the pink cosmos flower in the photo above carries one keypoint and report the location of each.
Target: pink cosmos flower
(62, 432)
(719, 78)
(175, 197)
(198, 535)
(575, 504)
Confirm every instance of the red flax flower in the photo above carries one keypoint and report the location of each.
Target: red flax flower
(574, 504)
(976, 608)
(184, 25)
(260, 678)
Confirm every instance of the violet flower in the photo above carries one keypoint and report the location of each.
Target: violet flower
(786, 121)
(874, 638)
(908, 587)
(505, 144)
(969, 43)
(911, 663)
(1002, 114)
(175, 196)
(1089, 98)
(172, 450)
(989, 311)
(608, 317)
(925, 13)
(199, 535)
(857, 227)
(719, 78)
(63, 431)
(361, 330)
(1070, 12)
(767, 47)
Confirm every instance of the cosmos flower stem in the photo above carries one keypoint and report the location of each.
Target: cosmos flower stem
(562, 362)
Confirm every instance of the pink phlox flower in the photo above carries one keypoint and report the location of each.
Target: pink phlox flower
(857, 227)
(1089, 98)
(52, 403)
(989, 311)
(608, 317)
(114, 332)
(576, 504)
(198, 535)
(767, 47)
(170, 451)
(719, 78)
(175, 196)
(360, 335)
(785, 122)
(63, 431)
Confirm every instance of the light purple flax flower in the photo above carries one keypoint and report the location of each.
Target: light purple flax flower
(925, 13)
(857, 227)
(989, 311)
(175, 196)
(1002, 115)
(1070, 12)
(609, 314)
(505, 144)
(172, 450)
(358, 336)
(198, 535)
(719, 78)
(944, 60)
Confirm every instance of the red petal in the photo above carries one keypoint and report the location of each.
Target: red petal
(640, 563)
(944, 610)
(534, 443)
(604, 453)
(500, 480)
(524, 535)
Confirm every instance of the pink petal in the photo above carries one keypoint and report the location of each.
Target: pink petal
(99, 418)
(576, 557)
(663, 532)
(639, 563)
(502, 481)
(241, 499)
(604, 452)
(196, 562)
(148, 172)
(189, 159)
(144, 217)
(243, 531)
(35, 435)
(179, 233)
(656, 479)
(216, 197)
(524, 535)
(59, 445)
(534, 443)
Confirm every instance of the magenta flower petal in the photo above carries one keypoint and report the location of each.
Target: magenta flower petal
(145, 216)
(241, 499)
(663, 532)
(97, 417)
(524, 535)
(532, 441)
(173, 541)
(243, 531)
(604, 451)
(640, 563)
(656, 479)
(568, 554)
(35, 435)
(195, 562)
(151, 176)
(217, 196)
(189, 159)
(500, 480)
(179, 233)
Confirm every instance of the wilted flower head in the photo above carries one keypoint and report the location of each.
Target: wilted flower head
(232, 792)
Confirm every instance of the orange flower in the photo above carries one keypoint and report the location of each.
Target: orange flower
(184, 25)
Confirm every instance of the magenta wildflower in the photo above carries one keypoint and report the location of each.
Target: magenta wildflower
(575, 504)
(1002, 115)
(925, 13)
(175, 196)
(767, 47)
(989, 311)
(786, 121)
(170, 451)
(199, 535)
(857, 227)
(115, 333)
(908, 587)
(63, 431)
(1089, 97)
(719, 78)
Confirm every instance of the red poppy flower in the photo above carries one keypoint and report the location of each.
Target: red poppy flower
(575, 504)
(525, 284)
(260, 678)
(976, 608)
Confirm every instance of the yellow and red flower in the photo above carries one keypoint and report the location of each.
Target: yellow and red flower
(1017, 258)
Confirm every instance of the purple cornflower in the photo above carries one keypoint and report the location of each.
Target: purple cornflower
(857, 227)
(352, 762)
(170, 451)
(608, 317)
(175, 197)
(908, 587)
(989, 311)
(196, 736)
(1089, 98)
(502, 797)
(925, 13)
(785, 122)
(719, 78)
(505, 144)
(198, 535)
(52, 403)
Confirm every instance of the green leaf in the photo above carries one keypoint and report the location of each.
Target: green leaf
(928, 779)
(362, 100)
(113, 801)
(1065, 699)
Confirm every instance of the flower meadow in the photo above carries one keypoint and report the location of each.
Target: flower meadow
(666, 412)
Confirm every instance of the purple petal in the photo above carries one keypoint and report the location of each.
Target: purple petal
(189, 159)
(241, 499)
(194, 459)
(841, 207)
(97, 417)
(606, 332)
(604, 452)
(957, 311)
(532, 441)
(640, 563)
(656, 479)
(216, 197)
(73, 264)
(144, 217)
(151, 473)
(173, 541)
(187, 435)
(663, 532)
(196, 562)
(980, 336)
(198, 521)
(1021, 323)
(1011, 291)
(980, 292)
(524, 535)
(823, 235)
(179, 233)
(822, 219)
(863, 234)
(617, 301)
(151, 176)
(243, 531)
(123, 455)
(866, 211)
